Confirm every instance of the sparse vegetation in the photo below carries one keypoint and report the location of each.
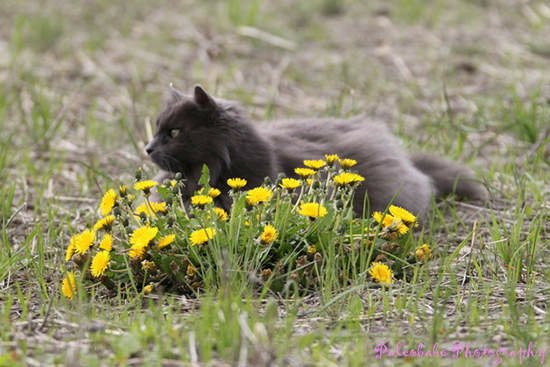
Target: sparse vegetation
(81, 84)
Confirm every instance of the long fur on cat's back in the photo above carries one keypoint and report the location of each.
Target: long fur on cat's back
(390, 175)
(219, 134)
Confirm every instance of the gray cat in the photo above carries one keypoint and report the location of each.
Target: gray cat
(199, 129)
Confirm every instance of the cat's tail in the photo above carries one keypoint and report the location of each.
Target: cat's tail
(450, 177)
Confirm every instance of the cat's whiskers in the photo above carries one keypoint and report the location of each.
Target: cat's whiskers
(170, 163)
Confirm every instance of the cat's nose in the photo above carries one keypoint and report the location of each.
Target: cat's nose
(149, 148)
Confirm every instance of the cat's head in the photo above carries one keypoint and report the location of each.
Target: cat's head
(191, 131)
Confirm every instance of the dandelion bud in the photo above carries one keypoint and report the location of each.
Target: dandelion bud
(380, 258)
(423, 252)
(191, 270)
(266, 273)
(139, 174)
(148, 265)
(178, 176)
(122, 190)
(331, 159)
(148, 289)
(80, 259)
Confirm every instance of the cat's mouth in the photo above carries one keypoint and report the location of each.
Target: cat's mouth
(167, 162)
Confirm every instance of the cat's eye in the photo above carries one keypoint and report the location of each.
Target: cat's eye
(174, 133)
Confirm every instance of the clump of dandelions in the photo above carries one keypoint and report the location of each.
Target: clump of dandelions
(277, 234)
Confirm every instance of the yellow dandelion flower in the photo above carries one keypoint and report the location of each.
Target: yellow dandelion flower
(70, 249)
(100, 262)
(191, 270)
(214, 193)
(151, 208)
(68, 285)
(83, 241)
(108, 202)
(331, 158)
(309, 181)
(145, 185)
(347, 162)
(236, 183)
(401, 227)
(201, 236)
(423, 252)
(311, 249)
(347, 178)
(268, 235)
(312, 210)
(315, 163)
(105, 223)
(148, 289)
(137, 252)
(173, 183)
(143, 235)
(258, 195)
(201, 200)
(106, 243)
(403, 214)
(381, 273)
(390, 222)
(385, 219)
(304, 172)
(166, 240)
(290, 183)
(222, 214)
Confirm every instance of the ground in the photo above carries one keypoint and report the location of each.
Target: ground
(81, 84)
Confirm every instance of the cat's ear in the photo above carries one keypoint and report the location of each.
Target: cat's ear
(175, 95)
(202, 98)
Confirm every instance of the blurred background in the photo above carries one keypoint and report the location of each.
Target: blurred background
(80, 81)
